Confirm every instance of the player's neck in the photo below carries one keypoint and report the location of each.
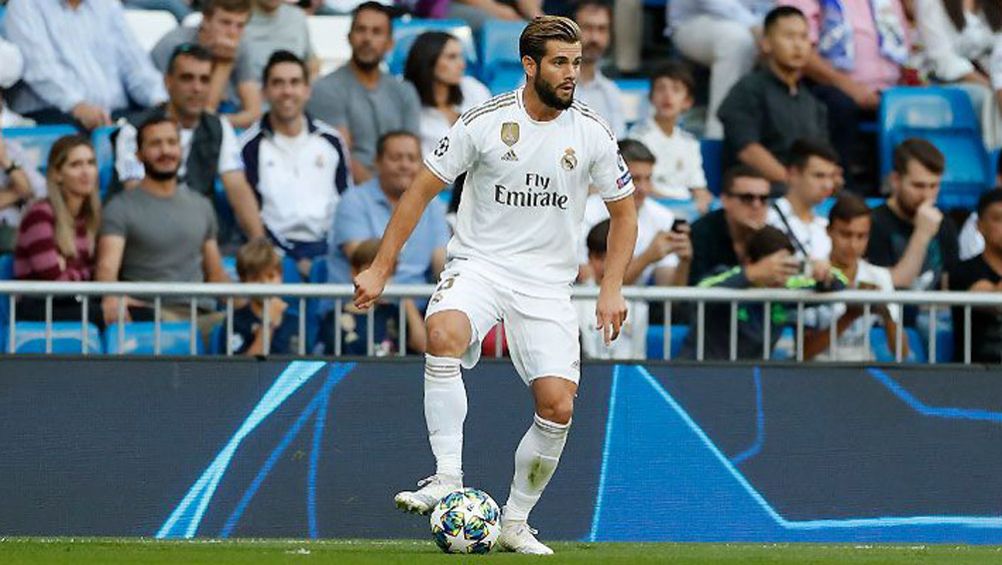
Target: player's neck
(536, 108)
(800, 207)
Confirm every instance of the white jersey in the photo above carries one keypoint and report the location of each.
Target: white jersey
(524, 196)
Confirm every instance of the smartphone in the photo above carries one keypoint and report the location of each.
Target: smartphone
(678, 224)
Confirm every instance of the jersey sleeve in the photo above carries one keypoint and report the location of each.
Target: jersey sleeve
(454, 153)
(609, 172)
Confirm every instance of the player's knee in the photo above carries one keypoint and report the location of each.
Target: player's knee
(556, 410)
(444, 342)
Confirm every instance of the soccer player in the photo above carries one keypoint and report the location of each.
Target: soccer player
(529, 156)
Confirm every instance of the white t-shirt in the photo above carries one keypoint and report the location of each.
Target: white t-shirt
(972, 243)
(129, 168)
(812, 236)
(679, 165)
(526, 185)
(632, 340)
(852, 342)
(434, 125)
(651, 219)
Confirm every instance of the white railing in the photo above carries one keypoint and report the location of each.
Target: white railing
(670, 298)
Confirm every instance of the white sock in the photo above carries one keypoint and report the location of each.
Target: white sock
(445, 413)
(535, 461)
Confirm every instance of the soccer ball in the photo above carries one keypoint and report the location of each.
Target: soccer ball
(466, 521)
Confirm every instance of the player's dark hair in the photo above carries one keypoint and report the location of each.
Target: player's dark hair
(209, 7)
(989, 197)
(778, 13)
(193, 50)
(420, 67)
(255, 258)
(803, 149)
(386, 137)
(283, 56)
(585, 4)
(677, 71)
(739, 172)
(598, 239)
(532, 42)
(372, 7)
(847, 208)
(766, 241)
(918, 149)
(634, 151)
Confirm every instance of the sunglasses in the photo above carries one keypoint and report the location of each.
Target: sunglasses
(748, 199)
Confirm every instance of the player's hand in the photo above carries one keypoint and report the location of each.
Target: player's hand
(610, 314)
(276, 310)
(369, 285)
(927, 219)
(864, 96)
(681, 243)
(90, 116)
(773, 270)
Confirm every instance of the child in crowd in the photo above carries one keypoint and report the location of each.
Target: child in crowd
(678, 170)
(258, 262)
(385, 316)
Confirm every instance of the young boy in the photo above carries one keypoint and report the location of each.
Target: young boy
(386, 319)
(849, 229)
(632, 342)
(258, 262)
(678, 170)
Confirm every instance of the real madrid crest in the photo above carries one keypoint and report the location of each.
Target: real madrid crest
(509, 133)
(569, 161)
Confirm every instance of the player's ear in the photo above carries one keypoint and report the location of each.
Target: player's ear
(529, 64)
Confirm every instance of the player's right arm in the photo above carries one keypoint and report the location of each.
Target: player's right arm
(369, 283)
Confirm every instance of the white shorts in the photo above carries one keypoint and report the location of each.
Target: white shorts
(542, 333)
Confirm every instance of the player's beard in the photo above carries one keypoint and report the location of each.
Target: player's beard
(549, 96)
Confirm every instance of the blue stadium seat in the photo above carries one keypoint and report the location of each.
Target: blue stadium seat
(6, 274)
(139, 339)
(38, 140)
(681, 208)
(713, 163)
(499, 53)
(826, 205)
(944, 117)
(406, 31)
(656, 341)
(230, 266)
(505, 78)
(67, 338)
(101, 138)
(885, 354)
(7, 267)
(634, 99)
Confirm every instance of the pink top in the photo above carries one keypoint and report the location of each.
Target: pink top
(36, 256)
(871, 67)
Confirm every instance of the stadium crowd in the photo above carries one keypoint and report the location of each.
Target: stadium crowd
(228, 142)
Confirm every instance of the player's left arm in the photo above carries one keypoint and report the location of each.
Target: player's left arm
(611, 308)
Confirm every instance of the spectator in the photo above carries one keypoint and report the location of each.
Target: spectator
(234, 89)
(56, 237)
(385, 315)
(82, 64)
(360, 99)
(962, 45)
(910, 235)
(632, 341)
(769, 263)
(982, 273)
(437, 69)
(849, 228)
(720, 238)
(770, 108)
(678, 171)
(159, 231)
(297, 166)
(720, 34)
(366, 209)
(177, 8)
(209, 148)
(258, 262)
(594, 17)
(663, 251)
(860, 49)
(813, 174)
(476, 12)
(20, 181)
(276, 25)
(12, 67)
(972, 243)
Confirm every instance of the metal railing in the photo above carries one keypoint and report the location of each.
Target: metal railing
(670, 298)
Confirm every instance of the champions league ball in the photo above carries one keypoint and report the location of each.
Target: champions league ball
(466, 521)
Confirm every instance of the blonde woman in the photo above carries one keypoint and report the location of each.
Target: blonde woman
(55, 240)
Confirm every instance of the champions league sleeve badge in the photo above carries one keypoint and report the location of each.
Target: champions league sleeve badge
(569, 161)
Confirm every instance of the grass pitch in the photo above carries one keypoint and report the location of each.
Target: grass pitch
(113, 551)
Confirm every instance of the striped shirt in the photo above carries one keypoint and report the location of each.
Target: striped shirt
(36, 256)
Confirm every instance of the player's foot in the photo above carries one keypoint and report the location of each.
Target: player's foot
(520, 538)
(430, 492)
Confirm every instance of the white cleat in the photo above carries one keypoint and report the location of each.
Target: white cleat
(430, 492)
(520, 538)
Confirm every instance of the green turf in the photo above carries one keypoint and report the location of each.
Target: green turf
(111, 551)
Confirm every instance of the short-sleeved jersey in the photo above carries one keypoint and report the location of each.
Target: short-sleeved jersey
(526, 186)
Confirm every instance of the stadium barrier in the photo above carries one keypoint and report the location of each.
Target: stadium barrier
(308, 299)
(721, 452)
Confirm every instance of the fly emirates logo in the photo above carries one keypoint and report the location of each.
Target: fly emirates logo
(535, 194)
